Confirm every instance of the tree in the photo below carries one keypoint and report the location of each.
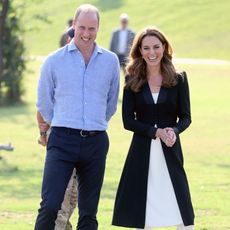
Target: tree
(4, 5)
(12, 62)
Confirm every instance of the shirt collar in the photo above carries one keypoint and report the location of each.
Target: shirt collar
(72, 46)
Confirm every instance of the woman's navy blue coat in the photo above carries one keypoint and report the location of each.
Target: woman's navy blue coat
(140, 113)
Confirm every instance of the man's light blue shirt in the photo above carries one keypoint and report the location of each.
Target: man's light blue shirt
(73, 95)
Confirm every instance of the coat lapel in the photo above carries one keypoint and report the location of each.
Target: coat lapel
(162, 95)
(148, 95)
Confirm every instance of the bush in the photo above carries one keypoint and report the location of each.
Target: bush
(13, 50)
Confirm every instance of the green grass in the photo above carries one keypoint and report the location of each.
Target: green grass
(198, 29)
(206, 148)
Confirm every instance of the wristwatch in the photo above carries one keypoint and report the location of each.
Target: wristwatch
(43, 134)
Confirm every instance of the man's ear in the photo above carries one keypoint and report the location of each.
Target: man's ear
(98, 27)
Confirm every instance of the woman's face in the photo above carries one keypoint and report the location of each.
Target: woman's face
(152, 51)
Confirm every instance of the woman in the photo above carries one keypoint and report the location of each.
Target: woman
(153, 190)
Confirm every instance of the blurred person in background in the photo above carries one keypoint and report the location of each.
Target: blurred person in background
(65, 38)
(121, 40)
(71, 101)
(153, 190)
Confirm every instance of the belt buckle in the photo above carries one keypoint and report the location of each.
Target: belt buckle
(82, 135)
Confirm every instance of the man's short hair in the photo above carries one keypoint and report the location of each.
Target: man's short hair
(86, 8)
(124, 17)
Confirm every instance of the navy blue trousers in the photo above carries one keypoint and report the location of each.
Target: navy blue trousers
(66, 150)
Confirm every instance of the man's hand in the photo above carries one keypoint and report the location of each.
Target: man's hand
(43, 140)
(43, 128)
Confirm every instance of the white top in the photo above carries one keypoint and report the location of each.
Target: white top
(155, 97)
(123, 36)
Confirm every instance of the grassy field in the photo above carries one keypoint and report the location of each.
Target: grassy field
(206, 149)
(198, 29)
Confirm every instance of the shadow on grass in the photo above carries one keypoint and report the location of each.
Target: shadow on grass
(13, 114)
(226, 166)
(25, 184)
(20, 184)
(108, 4)
(6, 167)
(10, 111)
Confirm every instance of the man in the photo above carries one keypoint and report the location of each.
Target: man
(77, 95)
(121, 41)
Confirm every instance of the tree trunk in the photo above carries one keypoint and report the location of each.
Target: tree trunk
(3, 14)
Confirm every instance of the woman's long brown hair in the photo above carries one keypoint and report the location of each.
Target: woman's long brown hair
(137, 68)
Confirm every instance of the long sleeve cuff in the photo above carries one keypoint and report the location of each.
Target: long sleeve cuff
(152, 132)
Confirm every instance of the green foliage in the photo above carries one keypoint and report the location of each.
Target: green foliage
(11, 87)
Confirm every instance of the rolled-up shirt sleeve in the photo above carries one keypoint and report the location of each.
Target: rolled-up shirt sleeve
(113, 92)
(45, 92)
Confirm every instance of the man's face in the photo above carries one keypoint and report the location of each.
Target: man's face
(124, 23)
(86, 27)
